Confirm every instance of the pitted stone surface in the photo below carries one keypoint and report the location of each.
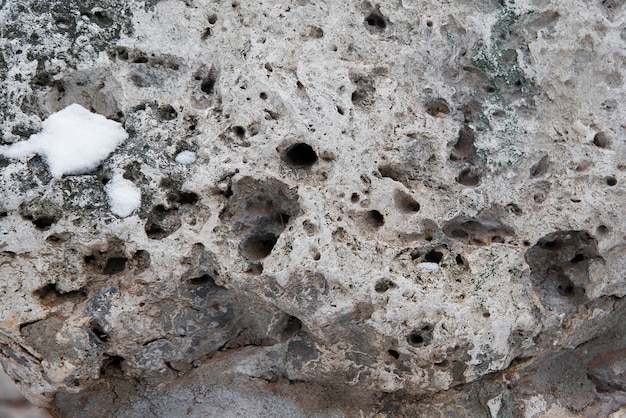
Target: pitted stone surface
(386, 201)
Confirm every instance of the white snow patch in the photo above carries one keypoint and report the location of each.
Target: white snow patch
(186, 157)
(124, 196)
(428, 266)
(72, 141)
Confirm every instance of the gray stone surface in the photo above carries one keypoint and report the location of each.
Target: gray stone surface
(399, 208)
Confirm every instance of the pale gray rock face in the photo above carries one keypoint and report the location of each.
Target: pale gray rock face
(404, 208)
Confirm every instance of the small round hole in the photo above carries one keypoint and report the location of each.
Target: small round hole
(240, 131)
(354, 198)
(611, 181)
(415, 339)
(376, 218)
(602, 230)
(263, 95)
(300, 155)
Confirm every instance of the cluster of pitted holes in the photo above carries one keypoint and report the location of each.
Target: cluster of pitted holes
(50, 295)
(163, 221)
(208, 31)
(207, 79)
(555, 254)
(259, 246)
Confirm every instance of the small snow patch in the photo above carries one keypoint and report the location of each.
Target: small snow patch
(186, 157)
(72, 141)
(124, 196)
(428, 266)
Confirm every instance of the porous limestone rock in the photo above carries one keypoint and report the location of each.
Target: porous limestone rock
(348, 208)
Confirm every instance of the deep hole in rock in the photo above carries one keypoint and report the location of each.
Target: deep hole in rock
(433, 256)
(98, 331)
(112, 366)
(422, 337)
(375, 218)
(300, 155)
(415, 339)
(258, 246)
(187, 198)
(240, 131)
(376, 20)
(205, 279)
(115, 265)
(47, 290)
(415, 254)
(51, 296)
(208, 83)
(565, 287)
(44, 222)
(102, 19)
(394, 354)
(459, 260)
(611, 181)
(292, 326)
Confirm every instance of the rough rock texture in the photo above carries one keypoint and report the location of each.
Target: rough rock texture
(404, 208)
